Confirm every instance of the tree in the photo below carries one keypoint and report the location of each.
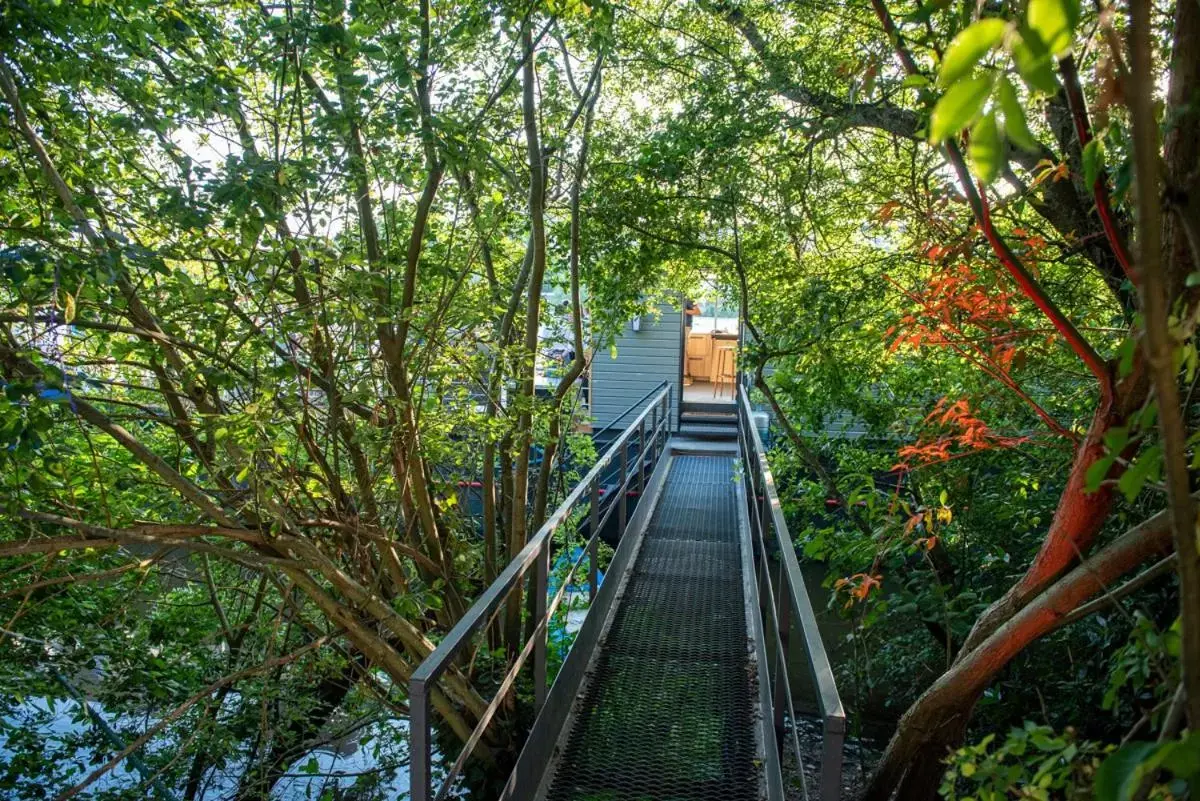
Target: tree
(257, 262)
(273, 281)
(1072, 196)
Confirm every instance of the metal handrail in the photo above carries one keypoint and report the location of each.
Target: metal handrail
(631, 407)
(535, 554)
(791, 598)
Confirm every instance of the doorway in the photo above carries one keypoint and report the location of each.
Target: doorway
(711, 334)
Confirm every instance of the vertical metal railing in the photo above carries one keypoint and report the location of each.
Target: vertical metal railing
(424, 683)
(784, 600)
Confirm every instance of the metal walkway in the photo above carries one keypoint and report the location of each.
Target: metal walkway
(669, 712)
(675, 687)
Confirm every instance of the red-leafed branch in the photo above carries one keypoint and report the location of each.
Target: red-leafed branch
(1012, 263)
(1083, 131)
(981, 359)
(1025, 280)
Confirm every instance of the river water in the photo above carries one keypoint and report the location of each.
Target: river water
(72, 747)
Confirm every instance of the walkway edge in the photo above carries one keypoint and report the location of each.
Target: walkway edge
(535, 765)
(767, 743)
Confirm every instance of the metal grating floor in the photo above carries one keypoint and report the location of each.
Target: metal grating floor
(669, 712)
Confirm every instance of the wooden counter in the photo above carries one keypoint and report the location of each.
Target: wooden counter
(701, 353)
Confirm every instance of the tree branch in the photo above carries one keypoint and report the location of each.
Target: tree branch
(1159, 345)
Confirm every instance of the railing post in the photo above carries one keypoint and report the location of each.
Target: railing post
(743, 453)
(761, 571)
(654, 437)
(758, 515)
(832, 750)
(594, 542)
(667, 406)
(668, 426)
(541, 577)
(622, 487)
(764, 510)
(783, 619)
(641, 457)
(422, 754)
(663, 431)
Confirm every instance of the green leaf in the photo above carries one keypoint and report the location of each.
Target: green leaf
(1125, 353)
(1034, 62)
(958, 108)
(1184, 759)
(1015, 126)
(1116, 438)
(1097, 473)
(1145, 468)
(986, 149)
(968, 48)
(1054, 21)
(1093, 161)
(1120, 775)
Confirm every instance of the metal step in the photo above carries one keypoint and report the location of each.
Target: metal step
(688, 446)
(708, 417)
(708, 407)
(708, 431)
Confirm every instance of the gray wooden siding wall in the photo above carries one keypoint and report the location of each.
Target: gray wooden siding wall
(644, 359)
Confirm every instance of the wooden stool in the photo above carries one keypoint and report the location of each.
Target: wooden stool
(726, 369)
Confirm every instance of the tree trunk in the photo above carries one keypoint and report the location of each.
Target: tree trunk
(533, 305)
(1169, 248)
(1028, 610)
(542, 493)
(1078, 518)
(937, 721)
